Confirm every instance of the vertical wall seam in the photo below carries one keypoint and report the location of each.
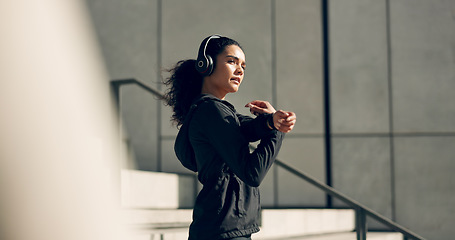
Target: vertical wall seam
(391, 127)
(158, 76)
(274, 53)
(274, 87)
(326, 95)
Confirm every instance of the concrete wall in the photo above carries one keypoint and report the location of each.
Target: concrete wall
(423, 74)
(361, 147)
(391, 82)
(127, 32)
(393, 112)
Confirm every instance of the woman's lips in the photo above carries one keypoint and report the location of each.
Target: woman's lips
(236, 80)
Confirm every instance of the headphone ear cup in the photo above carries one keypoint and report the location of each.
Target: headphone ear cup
(201, 66)
(209, 66)
(204, 63)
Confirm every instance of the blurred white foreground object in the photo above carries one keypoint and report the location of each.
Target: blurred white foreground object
(59, 154)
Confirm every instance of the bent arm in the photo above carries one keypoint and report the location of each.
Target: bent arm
(254, 129)
(222, 129)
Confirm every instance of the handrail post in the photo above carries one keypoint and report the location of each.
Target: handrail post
(116, 93)
(361, 224)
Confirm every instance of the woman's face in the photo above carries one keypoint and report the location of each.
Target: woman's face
(228, 73)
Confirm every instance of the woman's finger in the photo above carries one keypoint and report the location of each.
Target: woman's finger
(291, 117)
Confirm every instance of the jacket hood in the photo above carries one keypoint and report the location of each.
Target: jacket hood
(182, 146)
(184, 150)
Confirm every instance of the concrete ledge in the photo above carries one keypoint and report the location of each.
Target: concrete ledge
(157, 217)
(277, 224)
(144, 189)
(282, 223)
(347, 236)
(160, 236)
(168, 224)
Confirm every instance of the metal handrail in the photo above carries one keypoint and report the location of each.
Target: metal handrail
(361, 210)
(116, 84)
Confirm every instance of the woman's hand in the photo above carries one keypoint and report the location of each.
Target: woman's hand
(259, 107)
(283, 121)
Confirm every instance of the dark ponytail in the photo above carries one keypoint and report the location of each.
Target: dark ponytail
(185, 83)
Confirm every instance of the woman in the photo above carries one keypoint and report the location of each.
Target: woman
(213, 140)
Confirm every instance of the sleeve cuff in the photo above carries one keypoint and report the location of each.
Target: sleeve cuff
(269, 122)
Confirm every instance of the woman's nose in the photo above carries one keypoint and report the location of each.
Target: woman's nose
(239, 70)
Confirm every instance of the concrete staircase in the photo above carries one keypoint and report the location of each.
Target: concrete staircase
(153, 205)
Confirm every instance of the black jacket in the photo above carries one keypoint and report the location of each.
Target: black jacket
(214, 141)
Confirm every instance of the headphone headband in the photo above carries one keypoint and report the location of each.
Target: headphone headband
(204, 63)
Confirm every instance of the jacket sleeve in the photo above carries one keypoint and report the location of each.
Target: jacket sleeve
(221, 127)
(254, 129)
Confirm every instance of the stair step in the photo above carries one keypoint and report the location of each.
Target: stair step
(146, 224)
(279, 223)
(275, 223)
(157, 216)
(152, 204)
(343, 236)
